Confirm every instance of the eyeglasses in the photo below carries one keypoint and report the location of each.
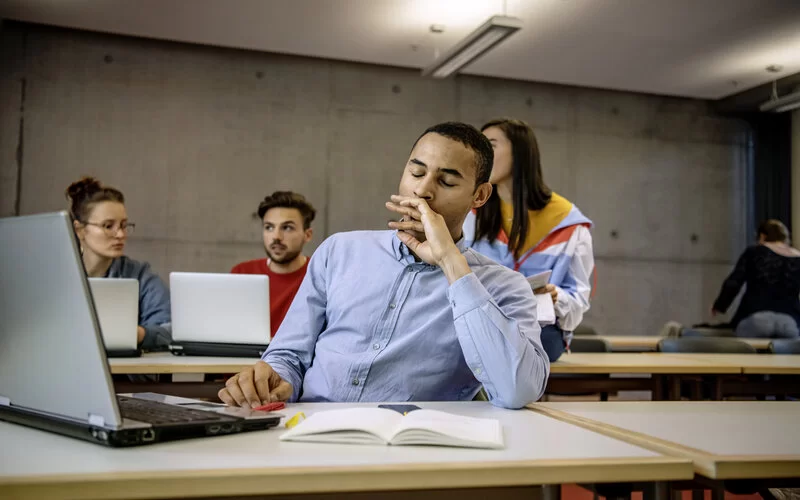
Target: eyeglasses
(111, 228)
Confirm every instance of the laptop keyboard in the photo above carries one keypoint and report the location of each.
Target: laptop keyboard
(156, 413)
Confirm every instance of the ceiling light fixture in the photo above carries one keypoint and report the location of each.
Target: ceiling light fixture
(781, 104)
(489, 34)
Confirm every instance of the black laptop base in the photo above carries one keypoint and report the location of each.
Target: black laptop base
(212, 425)
(217, 349)
(123, 353)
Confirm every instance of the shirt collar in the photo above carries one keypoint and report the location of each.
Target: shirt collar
(401, 251)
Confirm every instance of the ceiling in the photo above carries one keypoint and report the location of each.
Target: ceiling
(694, 48)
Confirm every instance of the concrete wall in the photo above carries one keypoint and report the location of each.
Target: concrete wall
(196, 136)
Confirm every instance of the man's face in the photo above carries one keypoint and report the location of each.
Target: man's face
(284, 236)
(442, 172)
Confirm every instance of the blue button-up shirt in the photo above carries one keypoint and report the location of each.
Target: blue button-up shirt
(369, 323)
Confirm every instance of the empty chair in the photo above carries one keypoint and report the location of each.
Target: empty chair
(698, 386)
(585, 343)
(706, 332)
(708, 345)
(589, 344)
(785, 346)
(583, 329)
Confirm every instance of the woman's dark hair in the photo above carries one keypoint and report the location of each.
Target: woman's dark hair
(773, 230)
(83, 194)
(530, 191)
(288, 199)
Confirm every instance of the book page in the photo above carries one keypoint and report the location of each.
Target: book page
(375, 421)
(540, 279)
(461, 430)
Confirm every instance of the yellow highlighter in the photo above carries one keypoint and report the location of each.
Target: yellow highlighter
(296, 419)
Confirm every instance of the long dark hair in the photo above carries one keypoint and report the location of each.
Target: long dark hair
(530, 191)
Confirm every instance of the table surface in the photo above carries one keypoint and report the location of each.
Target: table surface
(164, 362)
(538, 450)
(639, 362)
(576, 362)
(725, 440)
(649, 342)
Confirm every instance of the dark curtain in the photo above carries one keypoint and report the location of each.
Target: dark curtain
(772, 166)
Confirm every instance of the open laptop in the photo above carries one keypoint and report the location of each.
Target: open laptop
(219, 314)
(116, 301)
(54, 374)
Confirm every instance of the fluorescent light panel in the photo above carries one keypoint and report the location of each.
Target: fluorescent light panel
(489, 34)
(781, 104)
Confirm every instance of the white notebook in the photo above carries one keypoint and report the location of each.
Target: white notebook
(545, 311)
(382, 426)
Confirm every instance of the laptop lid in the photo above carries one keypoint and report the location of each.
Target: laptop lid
(220, 308)
(116, 301)
(52, 359)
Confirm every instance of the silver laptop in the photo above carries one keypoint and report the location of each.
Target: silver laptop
(117, 303)
(53, 370)
(219, 314)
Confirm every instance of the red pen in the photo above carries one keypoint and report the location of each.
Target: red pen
(278, 405)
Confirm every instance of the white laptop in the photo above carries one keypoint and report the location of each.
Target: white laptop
(117, 303)
(219, 314)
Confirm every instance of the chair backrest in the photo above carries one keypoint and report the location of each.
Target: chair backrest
(705, 345)
(706, 332)
(584, 330)
(785, 346)
(589, 344)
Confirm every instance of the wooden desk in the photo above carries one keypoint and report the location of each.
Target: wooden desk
(724, 440)
(652, 363)
(166, 363)
(641, 343)
(660, 365)
(539, 450)
(759, 364)
(577, 362)
(667, 370)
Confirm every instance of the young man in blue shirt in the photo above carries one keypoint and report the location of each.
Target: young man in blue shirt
(409, 314)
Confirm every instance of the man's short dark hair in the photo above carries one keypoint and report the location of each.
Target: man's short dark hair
(288, 199)
(471, 138)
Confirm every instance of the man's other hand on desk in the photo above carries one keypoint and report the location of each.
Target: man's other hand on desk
(255, 386)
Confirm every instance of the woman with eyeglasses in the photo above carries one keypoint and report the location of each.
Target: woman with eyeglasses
(527, 227)
(102, 227)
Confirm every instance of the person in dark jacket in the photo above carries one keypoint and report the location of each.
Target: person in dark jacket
(770, 306)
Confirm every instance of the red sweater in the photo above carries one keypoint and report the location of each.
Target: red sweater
(282, 287)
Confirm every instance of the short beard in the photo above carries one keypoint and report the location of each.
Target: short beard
(286, 258)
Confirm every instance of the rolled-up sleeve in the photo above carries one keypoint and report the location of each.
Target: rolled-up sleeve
(291, 351)
(500, 336)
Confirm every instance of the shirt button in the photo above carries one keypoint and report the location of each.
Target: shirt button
(392, 305)
(376, 346)
(355, 381)
(454, 303)
(478, 370)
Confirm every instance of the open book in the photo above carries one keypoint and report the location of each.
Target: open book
(382, 426)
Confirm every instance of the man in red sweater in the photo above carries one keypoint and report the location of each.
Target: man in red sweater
(286, 219)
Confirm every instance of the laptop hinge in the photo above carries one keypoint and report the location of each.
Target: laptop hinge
(4, 401)
(97, 420)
